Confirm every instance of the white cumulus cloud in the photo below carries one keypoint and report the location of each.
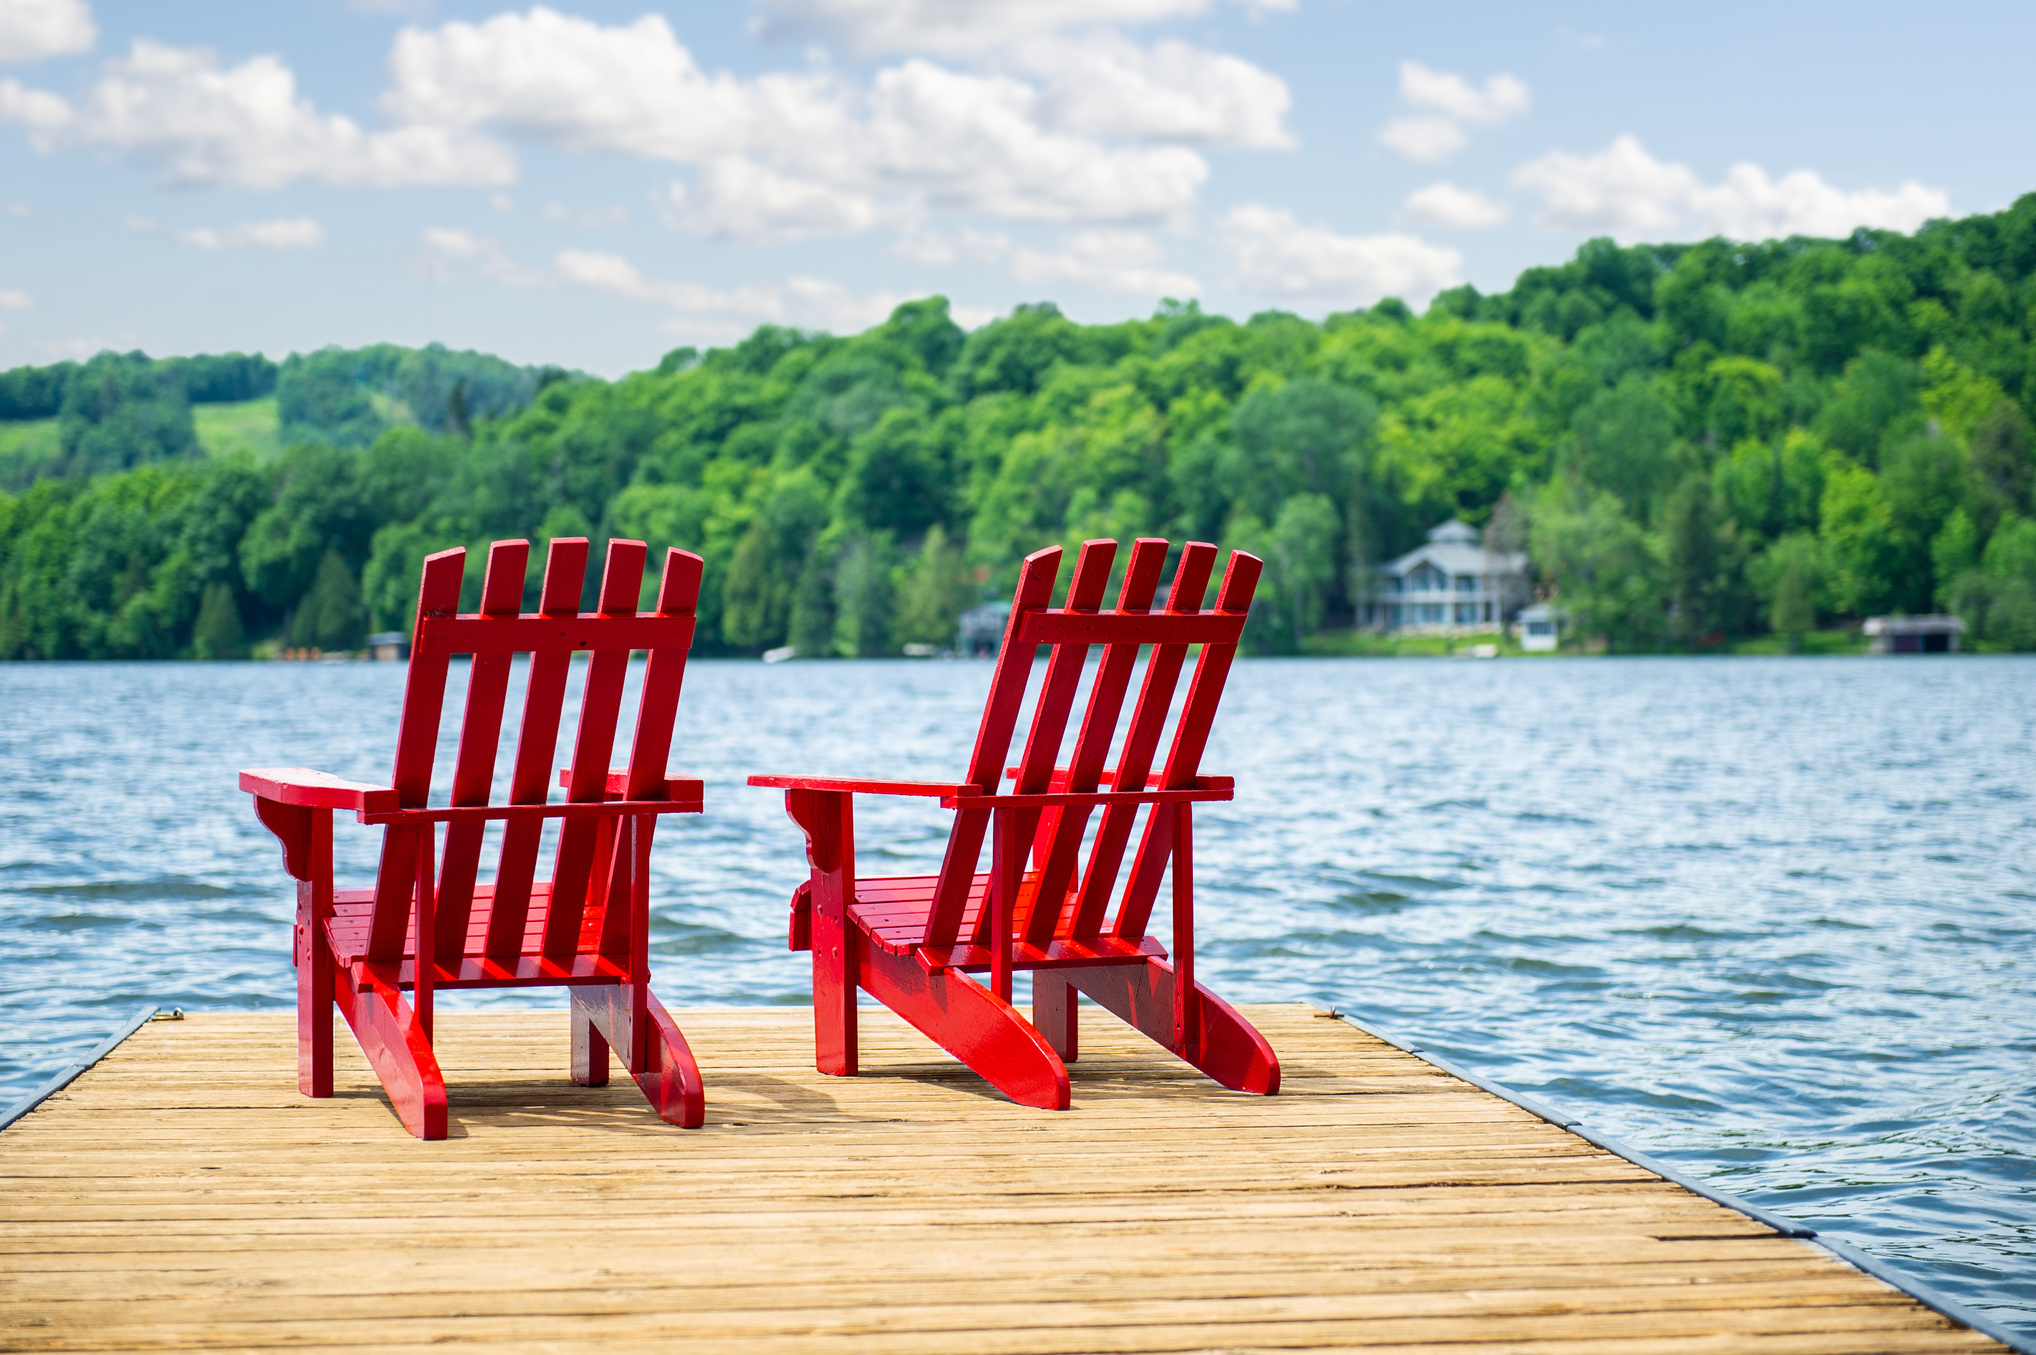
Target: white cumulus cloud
(299, 233)
(1423, 139)
(1502, 97)
(1126, 261)
(966, 27)
(736, 198)
(11, 300)
(1277, 256)
(710, 314)
(453, 249)
(1623, 191)
(31, 30)
(38, 111)
(242, 126)
(1444, 102)
(1444, 204)
(805, 152)
(1172, 91)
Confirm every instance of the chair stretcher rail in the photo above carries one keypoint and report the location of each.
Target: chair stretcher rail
(482, 813)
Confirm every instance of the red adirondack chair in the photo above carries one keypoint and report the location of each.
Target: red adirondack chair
(420, 929)
(911, 941)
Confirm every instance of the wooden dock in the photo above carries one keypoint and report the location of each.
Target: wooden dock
(182, 1195)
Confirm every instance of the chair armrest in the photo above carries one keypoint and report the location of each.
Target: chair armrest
(1066, 799)
(1108, 777)
(317, 790)
(670, 788)
(942, 790)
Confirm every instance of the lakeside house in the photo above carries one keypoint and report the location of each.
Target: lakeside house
(1913, 634)
(1540, 628)
(981, 632)
(1451, 586)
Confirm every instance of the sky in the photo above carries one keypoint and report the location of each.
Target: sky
(592, 183)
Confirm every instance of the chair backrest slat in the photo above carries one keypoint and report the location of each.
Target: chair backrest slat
(1056, 698)
(593, 742)
(480, 738)
(993, 742)
(664, 674)
(565, 572)
(1055, 901)
(1191, 736)
(1141, 738)
(1058, 847)
(438, 595)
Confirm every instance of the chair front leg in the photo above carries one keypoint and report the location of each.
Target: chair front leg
(827, 818)
(306, 837)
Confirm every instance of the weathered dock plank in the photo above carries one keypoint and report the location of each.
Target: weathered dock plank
(182, 1195)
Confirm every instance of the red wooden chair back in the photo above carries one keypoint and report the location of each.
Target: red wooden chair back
(573, 913)
(1057, 902)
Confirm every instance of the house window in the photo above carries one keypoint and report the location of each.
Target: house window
(1393, 616)
(1488, 612)
(1466, 583)
(1431, 613)
(1428, 579)
(1541, 628)
(1466, 613)
(1393, 584)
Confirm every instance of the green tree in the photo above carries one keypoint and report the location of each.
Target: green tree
(1857, 533)
(332, 616)
(218, 633)
(1623, 440)
(123, 410)
(1604, 568)
(936, 591)
(865, 597)
(1302, 552)
(756, 599)
(1788, 577)
(2003, 464)
(1701, 560)
(1998, 600)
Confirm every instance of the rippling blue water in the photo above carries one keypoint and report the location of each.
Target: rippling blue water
(1773, 921)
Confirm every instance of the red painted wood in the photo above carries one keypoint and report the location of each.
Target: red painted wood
(565, 569)
(973, 1024)
(827, 819)
(867, 786)
(315, 967)
(480, 737)
(378, 956)
(1226, 1047)
(593, 741)
(913, 941)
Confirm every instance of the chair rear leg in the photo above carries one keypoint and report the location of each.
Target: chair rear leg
(665, 1070)
(1222, 1044)
(973, 1024)
(1056, 1006)
(670, 1076)
(590, 1051)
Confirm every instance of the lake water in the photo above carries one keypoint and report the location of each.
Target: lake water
(1771, 921)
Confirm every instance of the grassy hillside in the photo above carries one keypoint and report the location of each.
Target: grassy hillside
(250, 428)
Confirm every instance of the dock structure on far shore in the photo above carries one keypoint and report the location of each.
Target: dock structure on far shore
(182, 1195)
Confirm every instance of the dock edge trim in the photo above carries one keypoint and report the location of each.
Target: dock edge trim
(74, 1071)
(1850, 1255)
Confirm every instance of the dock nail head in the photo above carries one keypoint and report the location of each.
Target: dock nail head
(173, 1014)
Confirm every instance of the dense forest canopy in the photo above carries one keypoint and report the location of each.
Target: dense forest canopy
(1688, 440)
